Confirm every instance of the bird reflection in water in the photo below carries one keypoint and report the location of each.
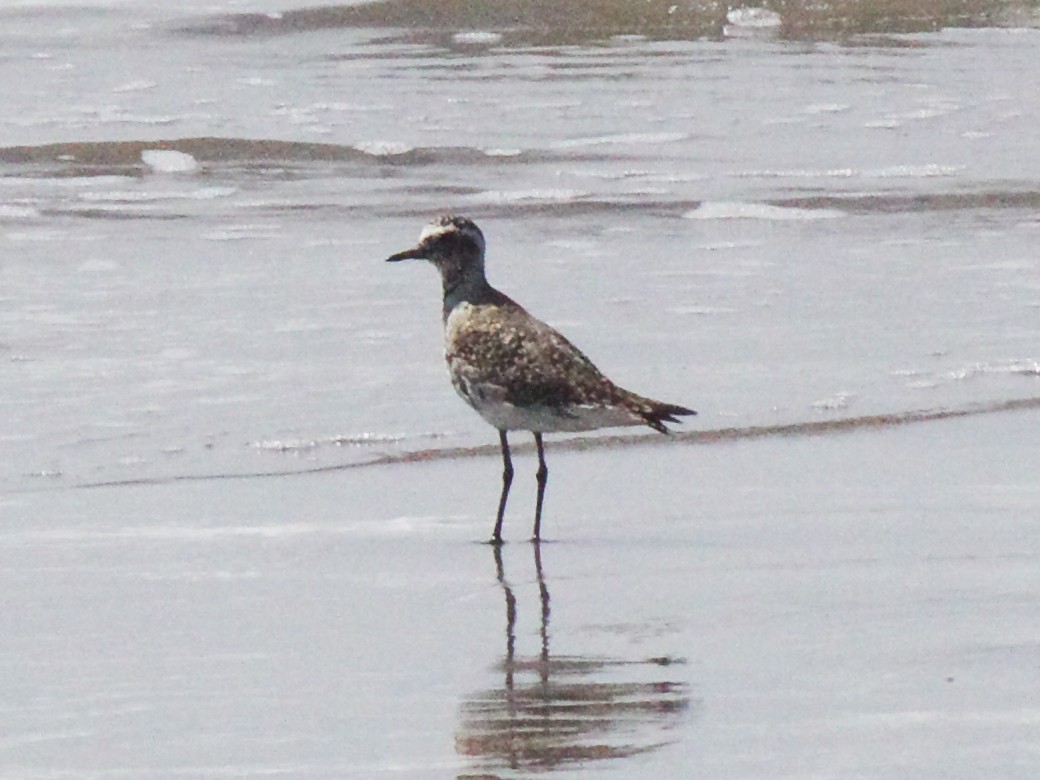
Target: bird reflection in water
(559, 712)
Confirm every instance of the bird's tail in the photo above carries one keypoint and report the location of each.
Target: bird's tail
(657, 413)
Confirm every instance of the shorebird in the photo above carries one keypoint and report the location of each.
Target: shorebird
(518, 373)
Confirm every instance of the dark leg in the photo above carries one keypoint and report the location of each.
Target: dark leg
(543, 477)
(507, 480)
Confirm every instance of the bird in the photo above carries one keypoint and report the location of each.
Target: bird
(517, 372)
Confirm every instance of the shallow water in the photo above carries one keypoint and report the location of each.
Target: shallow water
(783, 225)
(787, 229)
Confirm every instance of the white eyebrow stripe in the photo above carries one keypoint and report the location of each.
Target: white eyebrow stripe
(460, 226)
(436, 229)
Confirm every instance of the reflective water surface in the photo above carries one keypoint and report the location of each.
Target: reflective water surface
(551, 712)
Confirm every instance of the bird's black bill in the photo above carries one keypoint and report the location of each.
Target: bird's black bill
(415, 253)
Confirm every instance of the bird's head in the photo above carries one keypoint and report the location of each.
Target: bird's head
(453, 244)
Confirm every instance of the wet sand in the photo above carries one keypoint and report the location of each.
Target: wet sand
(846, 605)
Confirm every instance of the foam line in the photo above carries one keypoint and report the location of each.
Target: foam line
(703, 437)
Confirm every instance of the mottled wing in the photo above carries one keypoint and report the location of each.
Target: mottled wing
(508, 354)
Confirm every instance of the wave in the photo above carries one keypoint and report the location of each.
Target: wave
(105, 156)
(72, 161)
(79, 155)
(740, 210)
(571, 22)
(902, 203)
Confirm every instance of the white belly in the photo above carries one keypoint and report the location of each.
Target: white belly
(545, 419)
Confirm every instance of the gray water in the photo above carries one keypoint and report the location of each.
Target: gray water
(773, 227)
(786, 229)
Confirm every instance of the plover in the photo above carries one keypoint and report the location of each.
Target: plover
(518, 373)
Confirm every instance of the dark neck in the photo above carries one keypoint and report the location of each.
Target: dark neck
(464, 290)
(468, 287)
